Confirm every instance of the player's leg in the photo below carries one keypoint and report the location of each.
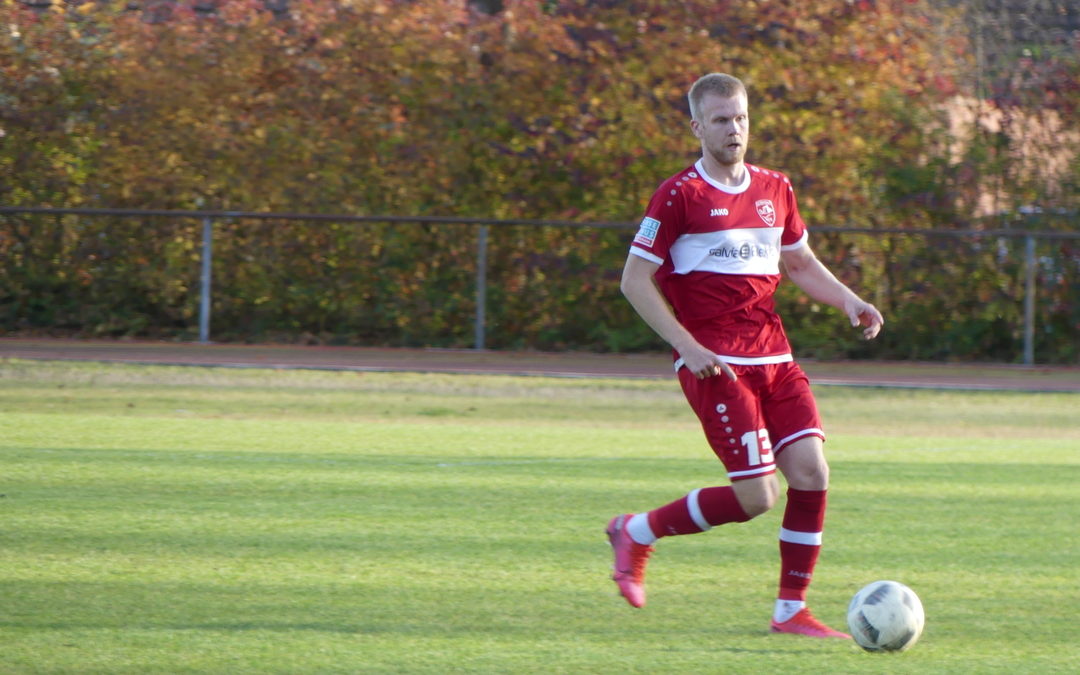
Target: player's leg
(704, 508)
(800, 457)
(632, 535)
(733, 425)
(803, 465)
(803, 523)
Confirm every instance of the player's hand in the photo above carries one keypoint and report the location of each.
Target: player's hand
(862, 313)
(703, 363)
(721, 368)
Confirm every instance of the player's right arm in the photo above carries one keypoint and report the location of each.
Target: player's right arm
(639, 287)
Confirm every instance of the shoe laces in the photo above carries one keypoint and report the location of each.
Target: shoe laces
(805, 618)
(639, 557)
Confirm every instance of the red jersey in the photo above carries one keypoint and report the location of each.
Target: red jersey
(718, 247)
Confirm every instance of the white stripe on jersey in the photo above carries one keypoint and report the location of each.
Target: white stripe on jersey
(745, 361)
(798, 244)
(642, 253)
(750, 250)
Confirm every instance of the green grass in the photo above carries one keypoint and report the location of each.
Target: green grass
(191, 520)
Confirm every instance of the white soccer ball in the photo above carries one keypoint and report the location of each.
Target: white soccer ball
(885, 616)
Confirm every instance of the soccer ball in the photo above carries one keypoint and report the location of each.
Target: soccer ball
(885, 616)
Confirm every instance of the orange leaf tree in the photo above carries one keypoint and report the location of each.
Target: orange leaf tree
(568, 110)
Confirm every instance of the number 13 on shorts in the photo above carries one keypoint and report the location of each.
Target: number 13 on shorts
(758, 447)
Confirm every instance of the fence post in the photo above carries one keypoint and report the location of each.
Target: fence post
(1029, 301)
(481, 286)
(204, 285)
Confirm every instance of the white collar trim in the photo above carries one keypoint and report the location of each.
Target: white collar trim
(730, 189)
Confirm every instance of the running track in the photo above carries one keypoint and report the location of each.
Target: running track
(571, 364)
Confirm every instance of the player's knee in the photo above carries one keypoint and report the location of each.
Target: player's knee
(814, 475)
(757, 505)
(757, 496)
(822, 474)
(805, 467)
(811, 476)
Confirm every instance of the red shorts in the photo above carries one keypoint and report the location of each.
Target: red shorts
(749, 420)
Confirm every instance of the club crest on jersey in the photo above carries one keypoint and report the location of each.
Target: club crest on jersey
(646, 235)
(766, 210)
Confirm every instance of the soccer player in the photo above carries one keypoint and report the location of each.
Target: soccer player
(701, 272)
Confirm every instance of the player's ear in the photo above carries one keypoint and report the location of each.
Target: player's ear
(695, 127)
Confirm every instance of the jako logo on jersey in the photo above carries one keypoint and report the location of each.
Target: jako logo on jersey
(718, 212)
(766, 210)
(646, 235)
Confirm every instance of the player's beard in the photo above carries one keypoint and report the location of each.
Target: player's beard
(727, 155)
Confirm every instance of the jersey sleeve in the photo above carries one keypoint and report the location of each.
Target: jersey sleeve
(658, 229)
(795, 234)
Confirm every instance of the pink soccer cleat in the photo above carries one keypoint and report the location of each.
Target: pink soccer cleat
(630, 560)
(804, 623)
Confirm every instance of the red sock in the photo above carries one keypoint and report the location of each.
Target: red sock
(800, 541)
(698, 511)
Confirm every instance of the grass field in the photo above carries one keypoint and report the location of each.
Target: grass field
(196, 520)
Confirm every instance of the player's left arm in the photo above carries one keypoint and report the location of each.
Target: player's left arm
(809, 274)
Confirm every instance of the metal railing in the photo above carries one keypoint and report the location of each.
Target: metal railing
(209, 216)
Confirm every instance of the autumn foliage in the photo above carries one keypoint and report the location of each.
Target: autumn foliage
(545, 110)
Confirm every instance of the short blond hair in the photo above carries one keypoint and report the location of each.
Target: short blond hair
(720, 84)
